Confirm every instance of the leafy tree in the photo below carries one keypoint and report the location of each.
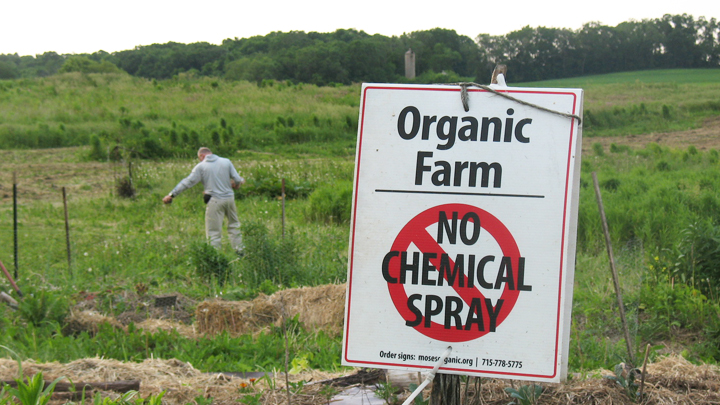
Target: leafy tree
(83, 64)
(348, 55)
(8, 70)
(680, 37)
(253, 69)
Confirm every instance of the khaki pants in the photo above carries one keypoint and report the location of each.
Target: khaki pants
(215, 211)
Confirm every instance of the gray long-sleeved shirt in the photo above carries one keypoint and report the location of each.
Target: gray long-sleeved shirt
(215, 173)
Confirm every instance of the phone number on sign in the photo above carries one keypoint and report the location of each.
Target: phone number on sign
(502, 363)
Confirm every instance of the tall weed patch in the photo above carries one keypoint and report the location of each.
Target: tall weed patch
(651, 195)
(695, 259)
(331, 203)
(210, 264)
(268, 258)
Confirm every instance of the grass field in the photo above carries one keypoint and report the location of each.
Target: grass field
(661, 203)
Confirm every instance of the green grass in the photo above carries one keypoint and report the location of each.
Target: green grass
(178, 115)
(642, 102)
(661, 204)
(670, 76)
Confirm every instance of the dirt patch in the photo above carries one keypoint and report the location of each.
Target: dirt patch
(153, 312)
(704, 138)
(41, 174)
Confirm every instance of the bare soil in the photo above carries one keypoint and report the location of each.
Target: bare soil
(704, 138)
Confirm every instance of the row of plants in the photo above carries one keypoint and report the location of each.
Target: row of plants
(29, 333)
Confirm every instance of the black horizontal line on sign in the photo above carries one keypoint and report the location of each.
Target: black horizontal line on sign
(459, 193)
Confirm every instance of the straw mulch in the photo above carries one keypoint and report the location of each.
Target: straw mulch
(90, 321)
(319, 307)
(181, 382)
(671, 380)
(87, 321)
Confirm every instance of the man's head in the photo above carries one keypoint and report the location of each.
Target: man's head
(202, 152)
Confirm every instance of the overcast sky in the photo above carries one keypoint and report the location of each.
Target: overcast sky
(86, 26)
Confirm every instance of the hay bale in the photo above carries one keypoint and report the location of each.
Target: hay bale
(155, 325)
(321, 307)
(216, 316)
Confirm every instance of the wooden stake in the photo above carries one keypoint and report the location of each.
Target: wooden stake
(498, 69)
(15, 231)
(616, 282)
(283, 208)
(445, 390)
(642, 377)
(67, 231)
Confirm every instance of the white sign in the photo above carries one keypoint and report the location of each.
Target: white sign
(463, 230)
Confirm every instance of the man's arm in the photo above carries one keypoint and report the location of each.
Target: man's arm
(189, 181)
(235, 179)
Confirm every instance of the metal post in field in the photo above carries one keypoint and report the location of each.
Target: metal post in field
(67, 231)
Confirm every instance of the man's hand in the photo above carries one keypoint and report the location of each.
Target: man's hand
(235, 185)
(167, 199)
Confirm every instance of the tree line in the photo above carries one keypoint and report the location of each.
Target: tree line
(350, 56)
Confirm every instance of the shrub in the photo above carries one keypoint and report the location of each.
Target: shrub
(124, 187)
(43, 306)
(97, 152)
(210, 264)
(268, 258)
(331, 203)
(698, 258)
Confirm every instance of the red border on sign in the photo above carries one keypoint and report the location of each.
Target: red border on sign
(566, 199)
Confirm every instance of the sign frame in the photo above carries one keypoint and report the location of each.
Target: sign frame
(400, 175)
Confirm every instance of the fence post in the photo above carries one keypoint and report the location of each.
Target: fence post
(67, 232)
(283, 208)
(15, 230)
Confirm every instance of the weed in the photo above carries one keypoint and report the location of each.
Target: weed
(32, 392)
(43, 306)
(268, 257)
(201, 400)
(296, 387)
(419, 400)
(210, 264)
(5, 398)
(124, 187)
(251, 399)
(387, 392)
(154, 399)
(625, 378)
(526, 394)
(300, 363)
(330, 203)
